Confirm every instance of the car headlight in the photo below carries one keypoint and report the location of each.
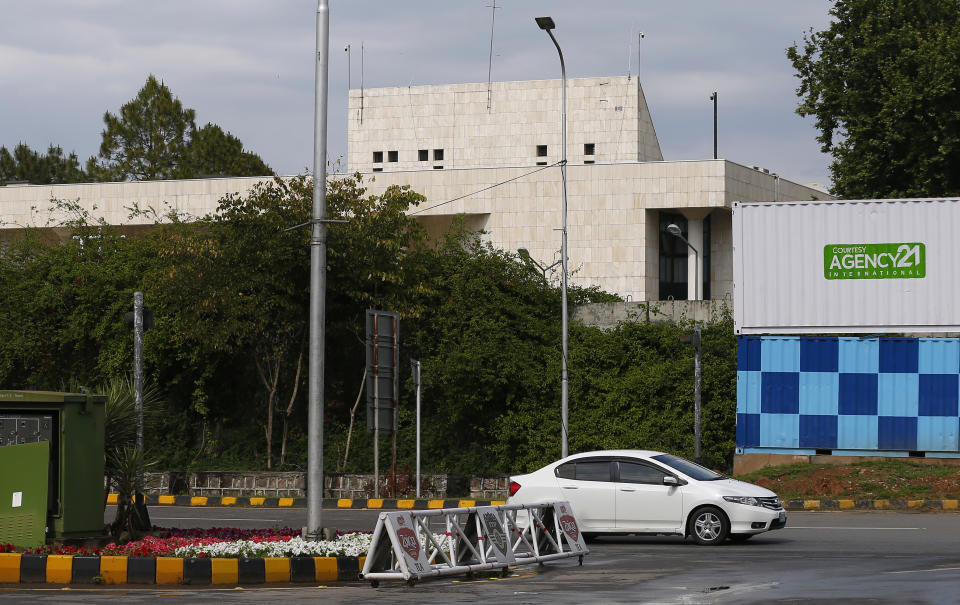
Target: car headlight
(748, 500)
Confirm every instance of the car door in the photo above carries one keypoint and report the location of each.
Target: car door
(643, 502)
(587, 483)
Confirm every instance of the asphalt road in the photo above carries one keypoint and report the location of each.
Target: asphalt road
(851, 557)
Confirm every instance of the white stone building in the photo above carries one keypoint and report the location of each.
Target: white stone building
(491, 155)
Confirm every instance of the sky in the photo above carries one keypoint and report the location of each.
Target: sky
(247, 65)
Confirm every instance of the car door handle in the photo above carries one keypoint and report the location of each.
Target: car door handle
(624, 489)
(569, 487)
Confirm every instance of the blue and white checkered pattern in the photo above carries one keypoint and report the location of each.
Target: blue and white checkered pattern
(882, 394)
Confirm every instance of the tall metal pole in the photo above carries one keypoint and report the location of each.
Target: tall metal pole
(639, 71)
(696, 393)
(564, 382)
(713, 98)
(416, 384)
(349, 70)
(138, 366)
(318, 281)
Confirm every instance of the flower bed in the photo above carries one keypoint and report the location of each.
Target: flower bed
(349, 545)
(218, 542)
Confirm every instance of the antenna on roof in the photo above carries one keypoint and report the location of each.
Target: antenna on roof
(493, 20)
(361, 81)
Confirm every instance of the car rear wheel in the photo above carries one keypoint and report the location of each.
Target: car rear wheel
(709, 526)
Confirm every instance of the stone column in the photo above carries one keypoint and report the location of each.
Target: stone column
(695, 260)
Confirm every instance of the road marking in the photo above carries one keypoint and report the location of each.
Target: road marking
(856, 528)
(214, 519)
(925, 570)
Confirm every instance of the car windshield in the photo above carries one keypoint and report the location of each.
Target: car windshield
(690, 469)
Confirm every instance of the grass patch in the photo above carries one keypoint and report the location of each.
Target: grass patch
(892, 479)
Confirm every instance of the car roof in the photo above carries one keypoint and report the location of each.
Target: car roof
(632, 453)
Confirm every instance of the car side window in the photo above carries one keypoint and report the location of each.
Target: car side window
(567, 471)
(593, 470)
(640, 473)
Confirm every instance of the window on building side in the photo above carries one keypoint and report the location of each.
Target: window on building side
(423, 155)
(438, 167)
(541, 153)
(438, 155)
(393, 156)
(589, 149)
(377, 157)
(378, 168)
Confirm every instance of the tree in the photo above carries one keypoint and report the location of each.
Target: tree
(155, 137)
(213, 152)
(25, 164)
(882, 82)
(149, 138)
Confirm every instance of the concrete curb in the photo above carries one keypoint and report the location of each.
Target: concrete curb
(16, 568)
(263, 502)
(832, 505)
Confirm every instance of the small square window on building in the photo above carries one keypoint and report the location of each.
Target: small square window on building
(438, 167)
(438, 155)
(423, 155)
(393, 156)
(378, 168)
(588, 152)
(541, 153)
(377, 157)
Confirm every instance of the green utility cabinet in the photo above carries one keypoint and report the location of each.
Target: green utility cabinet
(51, 466)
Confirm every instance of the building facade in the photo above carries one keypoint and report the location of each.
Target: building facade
(492, 154)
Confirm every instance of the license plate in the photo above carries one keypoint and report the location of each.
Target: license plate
(782, 516)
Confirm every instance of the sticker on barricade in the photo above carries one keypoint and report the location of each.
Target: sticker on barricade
(404, 527)
(569, 526)
(496, 533)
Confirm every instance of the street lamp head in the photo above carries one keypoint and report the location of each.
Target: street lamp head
(674, 230)
(523, 252)
(545, 23)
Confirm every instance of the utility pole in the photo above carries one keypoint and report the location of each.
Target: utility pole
(318, 281)
(138, 368)
(697, 435)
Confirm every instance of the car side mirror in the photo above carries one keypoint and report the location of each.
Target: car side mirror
(670, 480)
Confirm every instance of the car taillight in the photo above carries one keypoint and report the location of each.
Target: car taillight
(514, 488)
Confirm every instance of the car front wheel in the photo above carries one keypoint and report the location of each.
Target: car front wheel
(709, 526)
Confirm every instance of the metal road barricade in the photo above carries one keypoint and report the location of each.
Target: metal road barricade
(475, 538)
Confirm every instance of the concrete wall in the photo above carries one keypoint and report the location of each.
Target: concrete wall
(606, 316)
(30, 205)
(336, 485)
(503, 128)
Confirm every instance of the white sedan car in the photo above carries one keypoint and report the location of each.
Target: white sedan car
(645, 492)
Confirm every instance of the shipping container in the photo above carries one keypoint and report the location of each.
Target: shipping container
(848, 396)
(846, 267)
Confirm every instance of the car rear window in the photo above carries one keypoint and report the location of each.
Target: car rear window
(585, 470)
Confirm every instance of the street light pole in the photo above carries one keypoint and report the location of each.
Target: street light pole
(547, 24)
(318, 281)
(713, 98)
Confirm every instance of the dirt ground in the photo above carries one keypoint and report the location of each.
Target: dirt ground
(865, 482)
